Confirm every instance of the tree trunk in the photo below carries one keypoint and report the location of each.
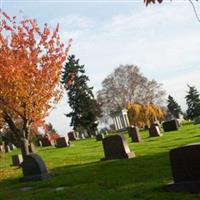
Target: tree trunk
(23, 135)
(24, 147)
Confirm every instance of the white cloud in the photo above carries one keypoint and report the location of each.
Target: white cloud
(163, 40)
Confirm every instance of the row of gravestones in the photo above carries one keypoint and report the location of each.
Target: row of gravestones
(62, 141)
(33, 166)
(185, 163)
(154, 131)
(44, 142)
(7, 147)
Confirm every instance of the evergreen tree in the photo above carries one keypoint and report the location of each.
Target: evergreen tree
(193, 103)
(173, 107)
(85, 108)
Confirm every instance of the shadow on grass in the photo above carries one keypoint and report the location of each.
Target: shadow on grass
(107, 174)
(137, 178)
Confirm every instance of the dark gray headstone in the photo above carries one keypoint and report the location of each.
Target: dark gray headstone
(197, 120)
(185, 165)
(46, 142)
(12, 146)
(17, 160)
(170, 125)
(133, 132)
(34, 168)
(116, 147)
(72, 135)
(99, 137)
(62, 142)
(154, 131)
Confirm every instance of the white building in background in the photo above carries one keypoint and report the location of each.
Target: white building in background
(120, 119)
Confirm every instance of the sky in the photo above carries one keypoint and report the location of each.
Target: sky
(163, 40)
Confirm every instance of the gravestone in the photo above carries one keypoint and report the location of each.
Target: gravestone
(197, 120)
(7, 149)
(154, 131)
(17, 160)
(2, 148)
(34, 168)
(39, 143)
(171, 125)
(116, 147)
(12, 146)
(82, 135)
(72, 135)
(46, 142)
(99, 137)
(62, 142)
(134, 134)
(185, 165)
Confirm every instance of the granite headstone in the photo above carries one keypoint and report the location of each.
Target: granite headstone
(116, 147)
(185, 165)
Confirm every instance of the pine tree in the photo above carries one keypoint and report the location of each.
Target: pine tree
(173, 107)
(193, 102)
(85, 108)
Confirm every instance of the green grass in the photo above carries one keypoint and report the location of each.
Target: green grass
(83, 176)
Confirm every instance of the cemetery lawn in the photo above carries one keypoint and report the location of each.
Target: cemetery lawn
(80, 175)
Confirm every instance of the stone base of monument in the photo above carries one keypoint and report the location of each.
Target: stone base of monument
(34, 168)
(191, 186)
(116, 147)
(124, 156)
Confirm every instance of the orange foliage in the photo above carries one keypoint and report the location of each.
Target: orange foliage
(141, 115)
(30, 65)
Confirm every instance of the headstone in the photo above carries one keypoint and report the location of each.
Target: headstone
(12, 146)
(185, 165)
(39, 143)
(116, 147)
(17, 160)
(197, 120)
(134, 134)
(2, 148)
(46, 142)
(146, 127)
(154, 131)
(99, 137)
(82, 135)
(62, 142)
(34, 168)
(72, 135)
(7, 149)
(170, 125)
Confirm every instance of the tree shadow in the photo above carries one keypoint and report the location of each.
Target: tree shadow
(141, 177)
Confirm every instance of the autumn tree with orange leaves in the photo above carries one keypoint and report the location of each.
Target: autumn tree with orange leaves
(30, 65)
